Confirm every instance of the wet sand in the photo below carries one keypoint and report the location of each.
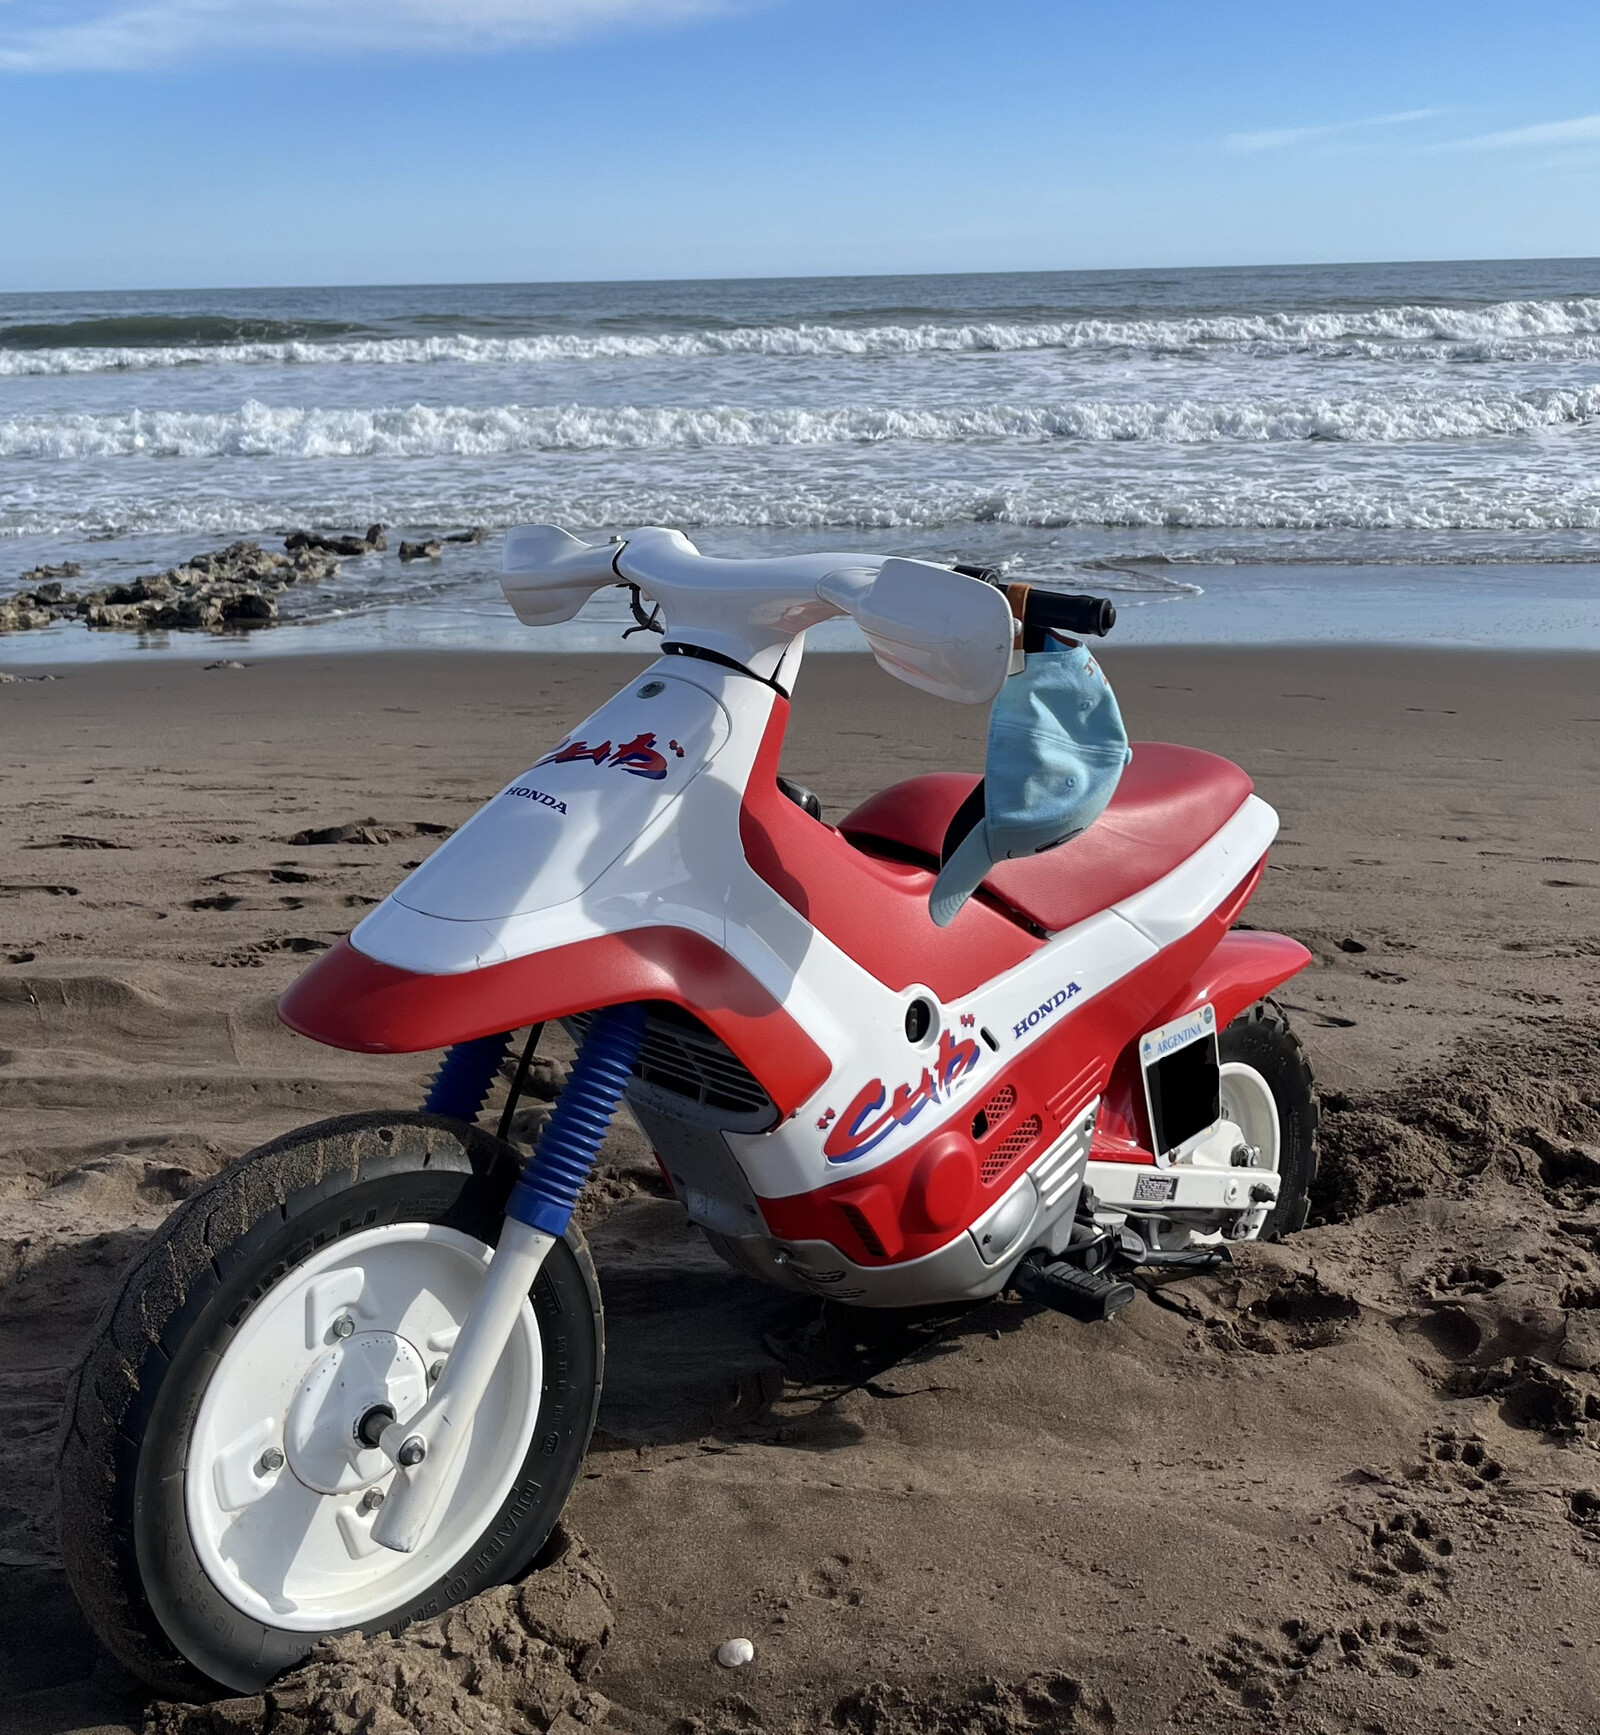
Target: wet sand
(1353, 1484)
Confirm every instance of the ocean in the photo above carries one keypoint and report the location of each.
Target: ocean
(1376, 452)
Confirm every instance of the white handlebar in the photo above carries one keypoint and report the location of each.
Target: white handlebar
(932, 627)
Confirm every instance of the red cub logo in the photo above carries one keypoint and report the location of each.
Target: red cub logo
(861, 1126)
(638, 756)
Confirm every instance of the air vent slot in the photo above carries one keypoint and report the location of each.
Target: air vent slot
(994, 1111)
(682, 1059)
(867, 1235)
(1019, 1139)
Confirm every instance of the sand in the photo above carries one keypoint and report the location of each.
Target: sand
(1352, 1485)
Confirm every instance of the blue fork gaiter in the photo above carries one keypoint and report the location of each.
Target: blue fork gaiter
(461, 1085)
(548, 1189)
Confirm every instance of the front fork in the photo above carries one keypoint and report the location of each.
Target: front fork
(425, 1447)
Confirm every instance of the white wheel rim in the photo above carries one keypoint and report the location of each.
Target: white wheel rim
(1247, 1101)
(278, 1490)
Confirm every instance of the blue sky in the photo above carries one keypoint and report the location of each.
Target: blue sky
(154, 143)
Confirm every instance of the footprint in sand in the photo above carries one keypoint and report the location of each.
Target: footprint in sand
(369, 831)
(77, 840)
(253, 956)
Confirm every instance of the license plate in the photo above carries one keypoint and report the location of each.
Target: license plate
(1179, 1063)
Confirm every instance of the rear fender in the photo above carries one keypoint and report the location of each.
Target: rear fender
(1244, 965)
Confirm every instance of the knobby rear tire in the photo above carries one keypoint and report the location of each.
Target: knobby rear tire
(132, 1402)
(1261, 1038)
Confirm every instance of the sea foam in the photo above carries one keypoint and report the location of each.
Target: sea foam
(1506, 330)
(259, 430)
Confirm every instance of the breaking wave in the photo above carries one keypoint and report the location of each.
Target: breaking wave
(421, 431)
(1506, 330)
(1315, 506)
(154, 331)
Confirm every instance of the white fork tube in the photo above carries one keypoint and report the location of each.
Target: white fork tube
(442, 1424)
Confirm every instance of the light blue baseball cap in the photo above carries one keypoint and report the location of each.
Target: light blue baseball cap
(1055, 754)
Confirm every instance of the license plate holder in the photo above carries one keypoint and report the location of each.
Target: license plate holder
(1182, 1078)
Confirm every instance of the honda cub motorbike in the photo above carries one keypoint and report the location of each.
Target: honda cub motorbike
(352, 1379)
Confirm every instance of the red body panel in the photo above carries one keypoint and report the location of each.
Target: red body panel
(909, 1205)
(1170, 801)
(349, 1000)
(874, 911)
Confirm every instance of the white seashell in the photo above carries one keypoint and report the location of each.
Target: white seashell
(735, 1653)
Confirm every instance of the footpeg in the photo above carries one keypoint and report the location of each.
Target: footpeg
(1071, 1290)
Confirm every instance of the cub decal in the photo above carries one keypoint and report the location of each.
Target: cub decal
(862, 1126)
(638, 756)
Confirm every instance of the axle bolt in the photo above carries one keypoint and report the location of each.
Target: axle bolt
(271, 1459)
(343, 1326)
(371, 1500)
(412, 1451)
(369, 1430)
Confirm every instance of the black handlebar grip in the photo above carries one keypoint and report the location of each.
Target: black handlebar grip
(1082, 616)
(1051, 610)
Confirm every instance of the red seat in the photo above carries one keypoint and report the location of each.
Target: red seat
(1169, 802)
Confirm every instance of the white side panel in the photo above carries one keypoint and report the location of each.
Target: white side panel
(1178, 903)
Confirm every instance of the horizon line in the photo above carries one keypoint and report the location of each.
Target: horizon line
(805, 276)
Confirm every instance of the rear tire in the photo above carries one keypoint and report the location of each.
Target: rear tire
(1260, 1038)
(172, 1600)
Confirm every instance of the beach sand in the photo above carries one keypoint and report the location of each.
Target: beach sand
(1353, 1484)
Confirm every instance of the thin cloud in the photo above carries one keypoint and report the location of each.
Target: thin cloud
(1282, 138)
(97, 36)
(1585, 130)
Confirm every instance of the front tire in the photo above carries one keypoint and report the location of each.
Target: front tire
(212, 1509)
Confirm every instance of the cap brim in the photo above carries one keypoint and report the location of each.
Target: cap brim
(961, 876)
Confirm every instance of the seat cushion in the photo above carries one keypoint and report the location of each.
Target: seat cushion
(1169, 802)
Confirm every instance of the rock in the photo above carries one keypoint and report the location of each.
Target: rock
(250, 606)
(67, 569)
(310, 541)
(20, 617)
(475, 534)
(419, 550)
(313, 542)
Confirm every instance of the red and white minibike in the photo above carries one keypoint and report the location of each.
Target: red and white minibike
(376, 1389)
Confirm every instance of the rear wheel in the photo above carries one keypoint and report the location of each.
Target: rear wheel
(216, 1496)
(1267, 1091)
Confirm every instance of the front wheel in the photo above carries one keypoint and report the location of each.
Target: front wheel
(1266, 1090)
(216, 1499)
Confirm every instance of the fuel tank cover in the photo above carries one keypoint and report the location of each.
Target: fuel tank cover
(551, 833)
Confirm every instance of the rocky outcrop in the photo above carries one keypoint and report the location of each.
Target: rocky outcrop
(234, 587)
